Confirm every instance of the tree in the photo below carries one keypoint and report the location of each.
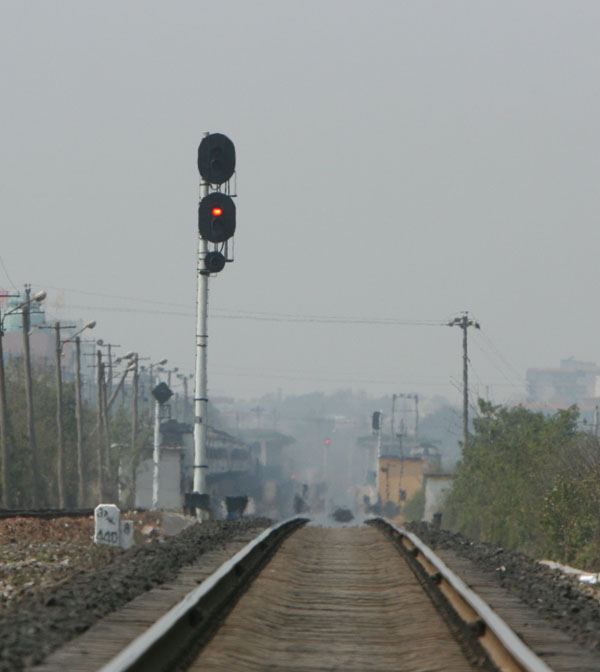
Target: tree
(528, 480)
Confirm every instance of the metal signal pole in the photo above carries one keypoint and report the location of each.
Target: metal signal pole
(201, 387)
(216, 224)
(464, 323)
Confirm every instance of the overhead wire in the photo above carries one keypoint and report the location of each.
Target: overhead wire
(7, 275)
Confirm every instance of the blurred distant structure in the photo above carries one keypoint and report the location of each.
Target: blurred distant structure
(573, 382)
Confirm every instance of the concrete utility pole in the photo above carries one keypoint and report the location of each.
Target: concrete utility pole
(35, 477)
(156, 456)
(78, 424)
(134, 403)
(109, 347)
(4, 457)
(60, 463)
(4, 428)
(464, 323)
(100, 385)
(106, 420)
(376, 425)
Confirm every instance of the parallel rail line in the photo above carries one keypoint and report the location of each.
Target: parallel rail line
(501, 645)
(191, 622)
(183, 631)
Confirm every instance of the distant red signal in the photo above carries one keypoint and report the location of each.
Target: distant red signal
(327, 442)
(217, 212)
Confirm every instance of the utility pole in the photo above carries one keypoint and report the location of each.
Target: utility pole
(60, 464)
(99, 377)
(109, 347)
(106, 420)
(464, 323)
(134, 413)
(78, 425)
(4, 428)
(35, 477)
(416, 397)
(376, 424)
(4, 456)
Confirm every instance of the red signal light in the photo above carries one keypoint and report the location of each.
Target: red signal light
(327, 442)
(217, 212)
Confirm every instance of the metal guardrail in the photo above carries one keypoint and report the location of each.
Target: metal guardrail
(194, 619)
(501, 644)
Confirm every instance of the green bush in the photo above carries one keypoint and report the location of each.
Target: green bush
(530, 481)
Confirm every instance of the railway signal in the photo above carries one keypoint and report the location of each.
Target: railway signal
(216, 158)
(214, 261)
(216, 225)
(216, 217)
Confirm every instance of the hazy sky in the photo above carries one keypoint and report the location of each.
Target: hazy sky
(396, 161)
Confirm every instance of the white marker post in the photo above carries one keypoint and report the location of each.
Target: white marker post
(109, 529)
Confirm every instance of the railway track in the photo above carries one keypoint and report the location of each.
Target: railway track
(303, 597)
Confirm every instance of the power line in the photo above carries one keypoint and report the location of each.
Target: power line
(273, 317)
(500, 356)
(7, 275)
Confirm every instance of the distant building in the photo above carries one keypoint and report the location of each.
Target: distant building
(233, 468)
(573, 382)
(42, 337)
(437, 486)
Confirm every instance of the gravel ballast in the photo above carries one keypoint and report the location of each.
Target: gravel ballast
(559, 598)
(55, 583)
(43, 616)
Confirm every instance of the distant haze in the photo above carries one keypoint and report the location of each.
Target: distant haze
(396, 160)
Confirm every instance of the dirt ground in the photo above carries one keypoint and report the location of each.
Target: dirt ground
(35, 554)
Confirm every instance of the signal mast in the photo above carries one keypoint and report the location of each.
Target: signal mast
(216, 225)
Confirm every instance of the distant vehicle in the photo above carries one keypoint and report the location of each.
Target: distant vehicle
(342, 515)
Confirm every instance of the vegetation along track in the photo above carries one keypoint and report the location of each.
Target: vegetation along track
(316, 598)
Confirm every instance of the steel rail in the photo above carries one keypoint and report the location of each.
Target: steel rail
(201, 609)
(453, 588)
